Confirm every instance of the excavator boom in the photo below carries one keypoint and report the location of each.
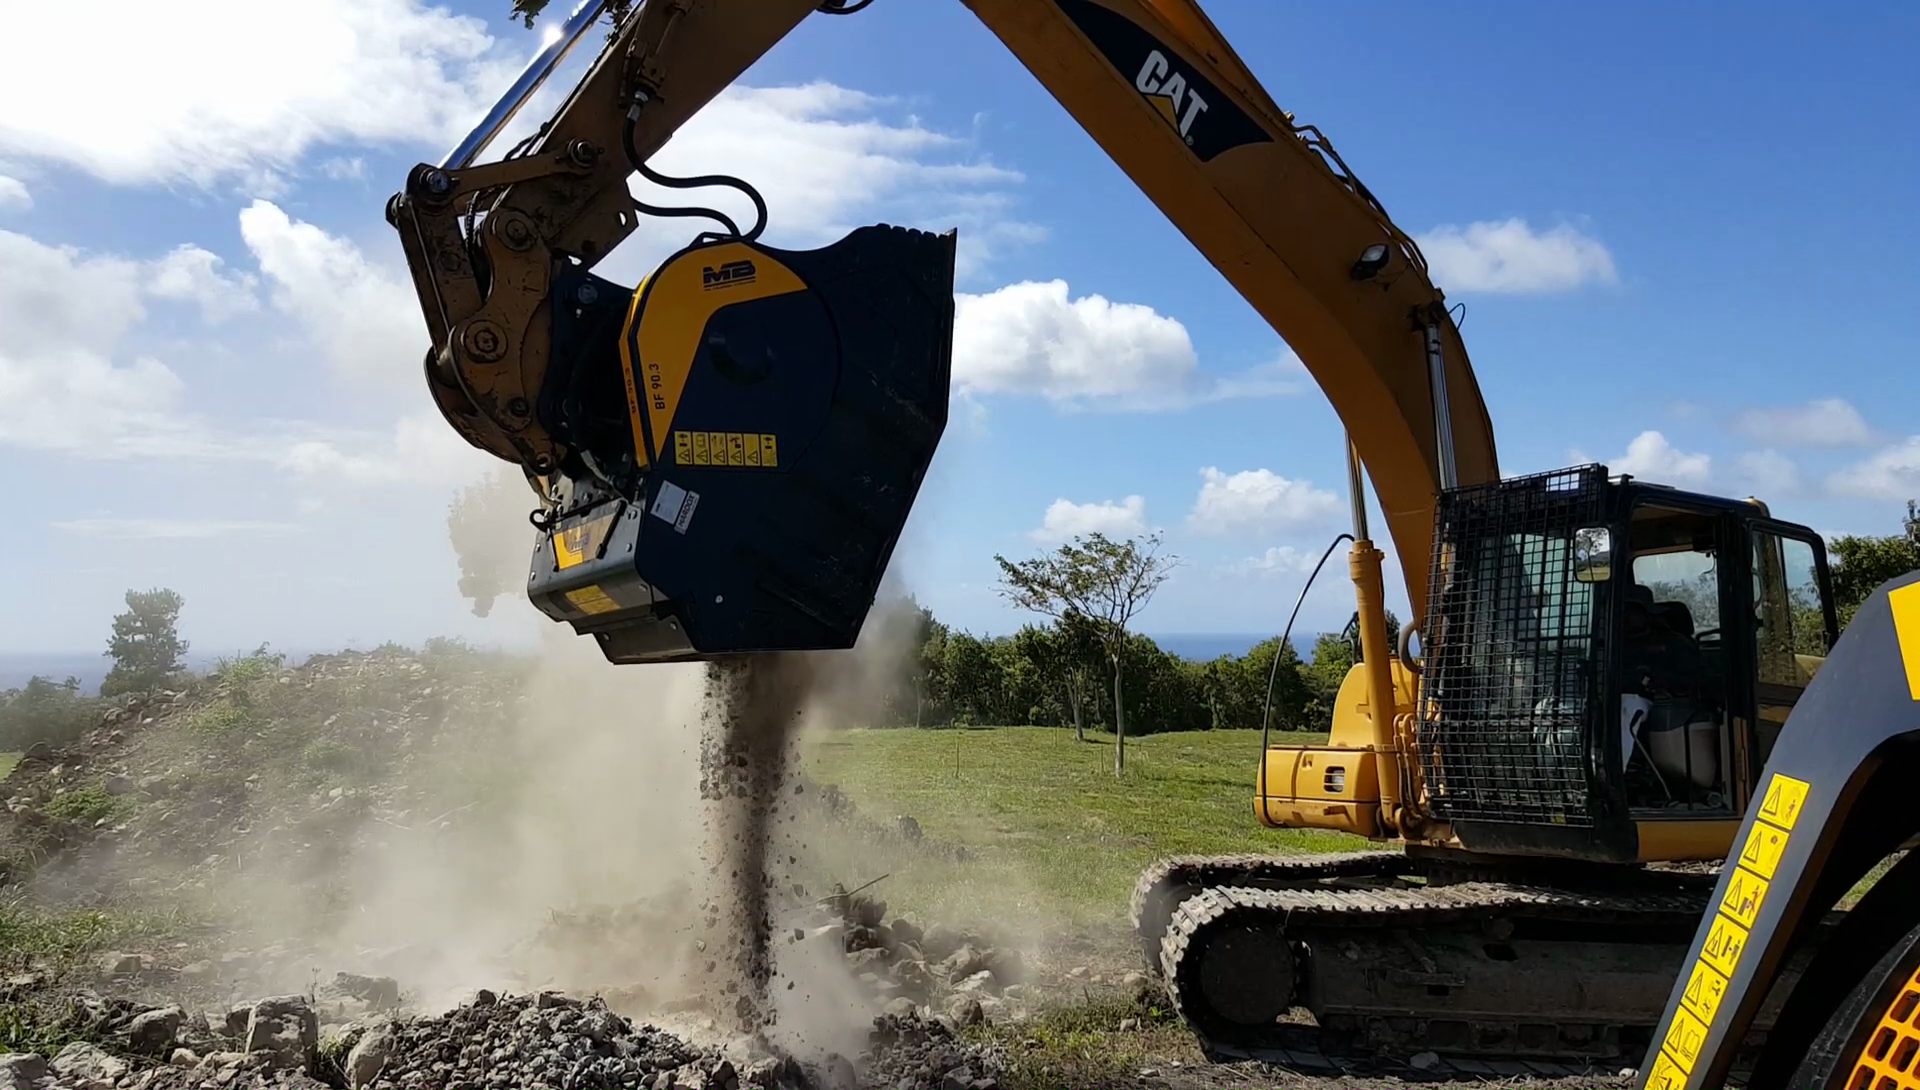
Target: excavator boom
(1267, 200)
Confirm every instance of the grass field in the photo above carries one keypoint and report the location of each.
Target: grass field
(7, 761)
(1054, 836)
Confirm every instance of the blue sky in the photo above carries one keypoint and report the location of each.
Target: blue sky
(1680, 239)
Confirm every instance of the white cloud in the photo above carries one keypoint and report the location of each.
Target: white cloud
(14, 195)
(136, 529)
(1509, 257)
(1652, 457)
(1768, 473)
(1065, 519)
(63, 318)
(364, 317)
(209, 108)
(1031, 338)
(422, 450)
(825, 160)
(1824, 422)
(1257, 500)
(192, 275)
(1277, 561)
(1891, 474)
(344, 170)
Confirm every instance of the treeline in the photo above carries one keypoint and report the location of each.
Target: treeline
(1059, 675)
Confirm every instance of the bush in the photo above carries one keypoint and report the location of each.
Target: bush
(87, 805)
(245, 669)
(219, 720)
(45, 711)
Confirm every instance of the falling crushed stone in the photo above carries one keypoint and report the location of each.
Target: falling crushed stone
(752, 714)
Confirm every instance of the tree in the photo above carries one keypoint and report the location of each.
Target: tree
(1062, 654)
(1106, 582)
(146, 647)
(1861, 564)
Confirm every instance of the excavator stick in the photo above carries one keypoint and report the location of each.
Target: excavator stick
(1834, 799)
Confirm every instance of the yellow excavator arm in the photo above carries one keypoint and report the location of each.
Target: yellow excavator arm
(1266, 199)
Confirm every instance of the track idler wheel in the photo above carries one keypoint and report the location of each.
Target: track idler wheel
(1231, 970)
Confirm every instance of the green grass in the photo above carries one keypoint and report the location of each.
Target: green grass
(1054, 835)
(7, 761)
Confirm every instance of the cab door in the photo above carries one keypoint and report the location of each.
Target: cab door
(1789, 598)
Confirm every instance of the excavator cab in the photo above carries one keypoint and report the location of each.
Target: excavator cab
(1609, 663)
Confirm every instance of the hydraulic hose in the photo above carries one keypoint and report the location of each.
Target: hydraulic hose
(1266, 707)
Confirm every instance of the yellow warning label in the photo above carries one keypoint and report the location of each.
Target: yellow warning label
(591, 599)
(1726, 941)
(1705, 987)
(1905, 604)
(1745, 891)
(1765, 846)
(1784, 798)
(1684, 1040)
(576, 544)
(1666, 1075)
(725, 448)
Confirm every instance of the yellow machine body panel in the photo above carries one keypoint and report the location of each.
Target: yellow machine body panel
(1335, 786)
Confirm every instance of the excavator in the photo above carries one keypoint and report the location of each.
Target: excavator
(1612, 802)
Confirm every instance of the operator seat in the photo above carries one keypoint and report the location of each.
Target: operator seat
(1677, 617)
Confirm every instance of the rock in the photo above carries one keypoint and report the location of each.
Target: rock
(905, 930)
(21, 1070)
(117, 785)
(966, 1011)
(482, 998)
(899, 1007)
(368, 1057)
(874, 957)
(939, 941)
(380, 991)
(214, 1061)
(1135, 980)
(153, 1031)
(198, 972)
(1078, 972)
(286, 1028)
(963, 963)
(88, 1067)
(114, 963)
(237, 1018)
(960, 1078)
(1006, 965)
(980, 983)
(23, 982)
(548, 999)
(909, 828)
(1424, 1061)
(1129, 1025)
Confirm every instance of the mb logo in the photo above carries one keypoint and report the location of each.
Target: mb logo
(1169, 93)
(727, 275)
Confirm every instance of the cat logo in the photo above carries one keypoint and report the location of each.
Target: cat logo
(1204, 115)
(1170, 93)
(728, 275)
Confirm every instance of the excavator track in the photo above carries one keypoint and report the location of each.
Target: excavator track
(1162, 886)
(1341, 960)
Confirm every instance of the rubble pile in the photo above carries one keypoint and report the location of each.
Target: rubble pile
(547, 1039)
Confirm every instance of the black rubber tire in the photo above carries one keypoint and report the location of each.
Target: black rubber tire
(1830, 1060)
